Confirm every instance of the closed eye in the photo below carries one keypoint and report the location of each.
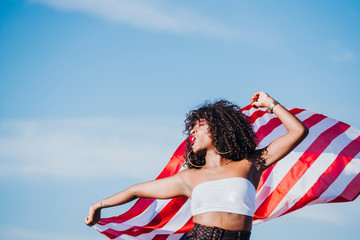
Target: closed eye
(202, 123)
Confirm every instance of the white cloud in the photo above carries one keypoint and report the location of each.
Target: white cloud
(343, 56)
(340, 54)
(153, 15)
(16, 233)
(87, 147)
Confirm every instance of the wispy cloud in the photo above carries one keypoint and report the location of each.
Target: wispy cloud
(336, 214)
(81, 148)
(152, 15)
(340, 53)
(16, 233)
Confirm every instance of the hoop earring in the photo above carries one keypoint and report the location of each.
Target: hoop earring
(189, 160)
(222, 152)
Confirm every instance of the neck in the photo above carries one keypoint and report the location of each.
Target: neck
(213, 159)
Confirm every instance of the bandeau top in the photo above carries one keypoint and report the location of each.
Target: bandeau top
(233, 195)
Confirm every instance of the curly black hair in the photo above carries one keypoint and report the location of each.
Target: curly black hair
(230, 131)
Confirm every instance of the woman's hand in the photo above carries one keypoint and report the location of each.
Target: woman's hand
(261, 99)
(283, 145)
(94, 216)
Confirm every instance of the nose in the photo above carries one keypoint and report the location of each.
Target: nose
(192, 132)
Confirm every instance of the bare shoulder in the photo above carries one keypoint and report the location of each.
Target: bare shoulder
(189, 177)
(185, 175)
(186, 178)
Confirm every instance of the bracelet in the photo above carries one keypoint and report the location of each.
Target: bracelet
(272, 105)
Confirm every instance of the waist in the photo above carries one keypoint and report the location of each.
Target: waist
(229, 221)
(205, 232)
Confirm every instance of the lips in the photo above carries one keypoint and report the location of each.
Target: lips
(192, 140)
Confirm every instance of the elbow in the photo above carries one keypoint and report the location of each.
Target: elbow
(306, 132)
(299, 133)
(133, 191)
(303, 132)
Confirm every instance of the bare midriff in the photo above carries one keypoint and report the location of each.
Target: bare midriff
(228, 221)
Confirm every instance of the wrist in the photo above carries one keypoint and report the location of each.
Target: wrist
(101, 205)
(269, 100)
(98, 206)
(271, 106)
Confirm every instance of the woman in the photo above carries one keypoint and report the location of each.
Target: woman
(223, 169)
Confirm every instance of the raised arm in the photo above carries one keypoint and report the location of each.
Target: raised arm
(164, 188)
(296, 130)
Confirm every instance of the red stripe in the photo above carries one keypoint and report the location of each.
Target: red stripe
(139, 207)
(273, 123)
(111, 233)
(309, 123)
(164, 216)
(329, 176)
(264, 176)
(257, 114)
(168, 212)
(299, 168)
(351, 191)
(175, 163)
(248, 107)
(161, 237)
(187, 227)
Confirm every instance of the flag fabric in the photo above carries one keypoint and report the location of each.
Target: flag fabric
(324, 168)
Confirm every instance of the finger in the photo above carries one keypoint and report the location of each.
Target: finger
(254, 105)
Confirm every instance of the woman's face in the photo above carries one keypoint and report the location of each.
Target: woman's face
(200, 139)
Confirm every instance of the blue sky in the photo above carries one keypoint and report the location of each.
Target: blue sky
(91, 90)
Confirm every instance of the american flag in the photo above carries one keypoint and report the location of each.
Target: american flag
(324, 168)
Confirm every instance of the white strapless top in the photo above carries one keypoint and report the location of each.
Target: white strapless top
(233, 195)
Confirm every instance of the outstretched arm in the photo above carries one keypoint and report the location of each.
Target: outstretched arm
(164, 188)
(296, 130)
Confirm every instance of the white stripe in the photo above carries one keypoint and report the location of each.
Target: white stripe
(175, 223)
(284, 166)
(257, 221)
(353, 133)
(128, 237)
(100, 228)
(175, 236)
(281, 130)
(312, 174)
(351, 170)
(275, 177)
(180, 218)
(142, 219)
(151, 235)
(250, 112)
(261, 121)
